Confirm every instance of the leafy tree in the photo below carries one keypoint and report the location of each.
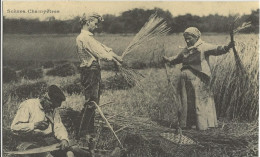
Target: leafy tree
(130, 21)
(254, 18)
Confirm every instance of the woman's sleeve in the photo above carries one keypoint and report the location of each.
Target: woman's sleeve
(215, 50)
(176, 59)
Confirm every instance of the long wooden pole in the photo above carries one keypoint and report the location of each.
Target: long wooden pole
(108, 124)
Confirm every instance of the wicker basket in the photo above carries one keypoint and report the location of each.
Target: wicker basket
(177, 145)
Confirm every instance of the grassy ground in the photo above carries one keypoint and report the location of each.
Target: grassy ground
(153, 102)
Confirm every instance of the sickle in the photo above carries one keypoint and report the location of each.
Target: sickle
(44, 149)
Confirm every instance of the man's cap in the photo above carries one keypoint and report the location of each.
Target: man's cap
(55, 93)
(89, 16)
(193, 31)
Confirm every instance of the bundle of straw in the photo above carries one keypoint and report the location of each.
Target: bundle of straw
(131, 76)
(233, 30)
(155, 27)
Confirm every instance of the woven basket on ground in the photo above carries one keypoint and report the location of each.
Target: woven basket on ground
(177, 144)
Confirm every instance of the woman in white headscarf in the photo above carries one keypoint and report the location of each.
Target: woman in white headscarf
(198, 107)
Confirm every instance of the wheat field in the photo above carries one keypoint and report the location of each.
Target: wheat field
(236, 96)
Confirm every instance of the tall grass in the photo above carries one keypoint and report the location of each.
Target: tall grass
(31, 74)
(236, 95)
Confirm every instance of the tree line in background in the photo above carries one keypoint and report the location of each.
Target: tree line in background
(130, 22)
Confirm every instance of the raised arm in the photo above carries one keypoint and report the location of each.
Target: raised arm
(175, 59)
(215, 50)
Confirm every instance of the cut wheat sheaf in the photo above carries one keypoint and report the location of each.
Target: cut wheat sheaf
(155, 27)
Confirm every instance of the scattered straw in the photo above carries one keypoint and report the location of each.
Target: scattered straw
(132, 77)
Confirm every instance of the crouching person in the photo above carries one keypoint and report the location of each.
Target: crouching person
(37, 123)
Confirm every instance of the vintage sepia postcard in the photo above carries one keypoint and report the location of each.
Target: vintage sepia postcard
(130, 78)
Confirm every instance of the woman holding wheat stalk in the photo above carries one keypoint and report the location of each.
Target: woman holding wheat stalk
(90, 51)
(197, 102)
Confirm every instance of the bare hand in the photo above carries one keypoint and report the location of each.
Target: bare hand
(64, 144)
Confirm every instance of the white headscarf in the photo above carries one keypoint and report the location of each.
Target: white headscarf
(193, 31)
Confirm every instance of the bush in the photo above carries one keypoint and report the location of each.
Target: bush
(61, 62)
(31, 74)
(63, 70)
(48, 64)
(22, 64)
(77, 65)
(138, 65)
(109, 66)
(74, 88)
(71, 119)
(9, 75)
(116, 82)
(33, 90)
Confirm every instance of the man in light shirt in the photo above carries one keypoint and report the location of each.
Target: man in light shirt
(90, 52)
(37, 121)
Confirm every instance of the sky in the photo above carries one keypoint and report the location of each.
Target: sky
(69, 9)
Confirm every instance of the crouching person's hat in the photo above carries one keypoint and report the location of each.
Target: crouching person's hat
(55, 93)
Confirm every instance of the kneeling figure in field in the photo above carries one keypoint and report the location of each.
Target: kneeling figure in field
(37, 123)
